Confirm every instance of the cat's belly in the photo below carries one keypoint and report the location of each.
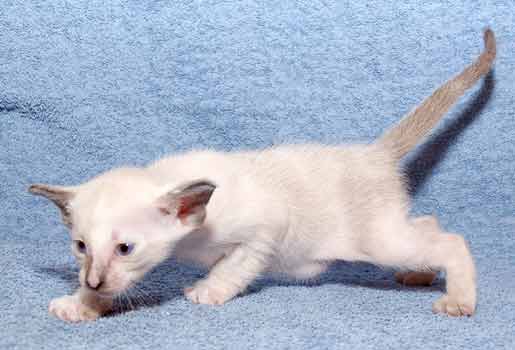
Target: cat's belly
(300, 270)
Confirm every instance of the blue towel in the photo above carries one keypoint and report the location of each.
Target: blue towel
(89, 85)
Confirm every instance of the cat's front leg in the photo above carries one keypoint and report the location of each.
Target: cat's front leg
(232, 274)
(83, 305)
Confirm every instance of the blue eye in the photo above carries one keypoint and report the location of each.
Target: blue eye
(124, 249)
(81, 246)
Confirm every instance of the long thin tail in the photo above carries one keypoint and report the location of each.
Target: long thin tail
(406, 134)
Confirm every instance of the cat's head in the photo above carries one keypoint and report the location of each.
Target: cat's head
(122, 224)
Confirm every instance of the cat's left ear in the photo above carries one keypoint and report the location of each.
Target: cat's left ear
(60, 195)
(188, 202)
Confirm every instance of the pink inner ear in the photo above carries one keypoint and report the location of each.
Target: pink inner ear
(184, 211)
(187, 207)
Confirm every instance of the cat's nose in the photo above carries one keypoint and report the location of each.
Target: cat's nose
(95, 285)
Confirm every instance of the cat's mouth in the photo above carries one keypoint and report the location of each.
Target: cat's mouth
(106, 295)
(112, 292)
(107, 292)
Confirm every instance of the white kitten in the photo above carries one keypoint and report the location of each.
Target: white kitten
(291, 209)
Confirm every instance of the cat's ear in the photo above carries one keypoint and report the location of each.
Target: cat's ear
(61, 196)
(187, 202)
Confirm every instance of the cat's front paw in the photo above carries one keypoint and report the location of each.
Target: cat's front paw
(69, 308)
(205, 293)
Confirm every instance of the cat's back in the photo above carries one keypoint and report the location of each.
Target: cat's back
(291, 163)
(317, 164)
(216, 166)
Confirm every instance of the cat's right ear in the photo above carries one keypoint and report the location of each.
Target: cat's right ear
(187, 202)
(59, 195)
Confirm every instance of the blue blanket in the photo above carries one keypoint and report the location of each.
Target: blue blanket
(89, 85)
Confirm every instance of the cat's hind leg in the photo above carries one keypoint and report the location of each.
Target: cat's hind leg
(401, 243)
(426, 223)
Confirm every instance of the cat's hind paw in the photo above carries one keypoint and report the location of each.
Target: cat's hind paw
(454, 306)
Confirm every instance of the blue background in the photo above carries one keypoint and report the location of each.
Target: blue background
(89, 85)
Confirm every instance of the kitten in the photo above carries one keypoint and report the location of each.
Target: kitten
(289, 209)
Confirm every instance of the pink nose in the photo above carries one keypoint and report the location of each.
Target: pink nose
(93, 281)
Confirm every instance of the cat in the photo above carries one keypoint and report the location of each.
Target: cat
(291, 209)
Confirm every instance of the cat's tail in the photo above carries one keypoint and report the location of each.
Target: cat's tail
(409, 131)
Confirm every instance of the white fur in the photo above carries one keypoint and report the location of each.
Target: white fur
(291, 209)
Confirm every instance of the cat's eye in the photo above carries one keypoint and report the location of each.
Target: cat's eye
(124, 249)
(81, 246)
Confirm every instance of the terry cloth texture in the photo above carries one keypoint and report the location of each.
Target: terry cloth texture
(89, 85)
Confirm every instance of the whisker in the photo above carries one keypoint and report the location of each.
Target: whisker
(144, 294)
(137, 296)
(129, 301)
(148, 295)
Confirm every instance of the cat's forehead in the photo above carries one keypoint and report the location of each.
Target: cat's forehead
(111, 196)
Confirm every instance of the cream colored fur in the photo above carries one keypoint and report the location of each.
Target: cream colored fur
(289, 209)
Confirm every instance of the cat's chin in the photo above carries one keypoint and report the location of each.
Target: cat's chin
(108, 294)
